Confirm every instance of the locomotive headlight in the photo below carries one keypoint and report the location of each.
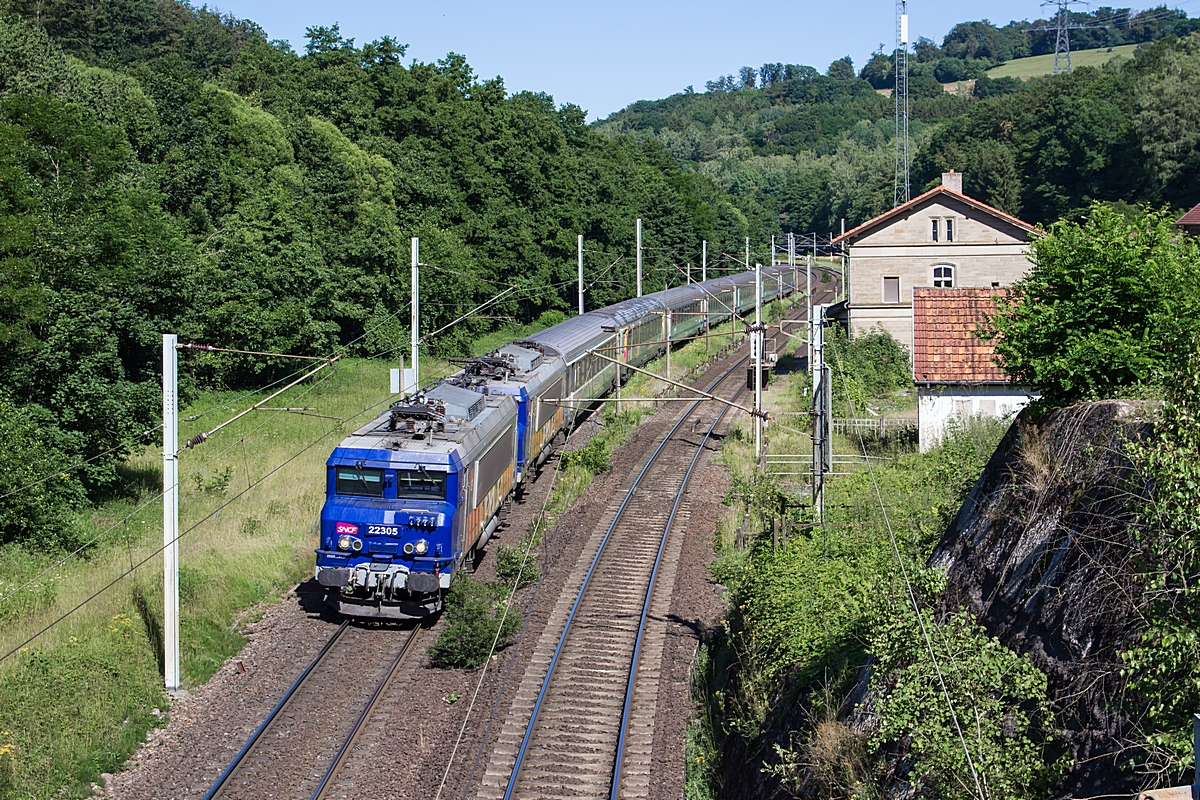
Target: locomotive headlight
(344, 542)
(421, 547)
(408, 548)
(356, 545)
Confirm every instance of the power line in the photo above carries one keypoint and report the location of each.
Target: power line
(157, 551)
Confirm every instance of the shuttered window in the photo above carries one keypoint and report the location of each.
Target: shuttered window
(891, 290)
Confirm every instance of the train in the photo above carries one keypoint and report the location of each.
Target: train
(414, 493)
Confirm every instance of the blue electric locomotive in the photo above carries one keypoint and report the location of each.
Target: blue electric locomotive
(410, 495)
(413, 493)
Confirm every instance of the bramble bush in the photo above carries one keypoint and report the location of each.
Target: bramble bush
(473, 612)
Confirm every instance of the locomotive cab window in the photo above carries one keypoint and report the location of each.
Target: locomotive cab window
(359, 482)
(412, 484)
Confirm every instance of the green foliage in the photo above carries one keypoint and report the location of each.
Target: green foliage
(67, 716)
(517, 565)
(801, 618)
(1164, 666)
(595, 456)
(31, 449)
(869, 365)
(996, 700)
(1168, 121)
(473, 615)
(1110, 304)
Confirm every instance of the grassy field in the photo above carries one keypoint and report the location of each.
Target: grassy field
(1032, 67)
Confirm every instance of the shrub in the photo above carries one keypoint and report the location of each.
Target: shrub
(1109, 305)
(514, 567)
(594, 456)
(867, 365)
(472, 616)
(1000, 699)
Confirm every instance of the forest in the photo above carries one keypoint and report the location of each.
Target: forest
(166, 168)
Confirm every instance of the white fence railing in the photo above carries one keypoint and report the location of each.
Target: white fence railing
(877, 426)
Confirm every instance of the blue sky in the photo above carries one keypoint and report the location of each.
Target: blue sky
(604, 56)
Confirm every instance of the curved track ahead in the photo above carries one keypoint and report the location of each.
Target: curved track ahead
(579, 731)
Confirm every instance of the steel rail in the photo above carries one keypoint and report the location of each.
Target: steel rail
(366, 712)
(512, 781)
(254, 738)
(637, 648)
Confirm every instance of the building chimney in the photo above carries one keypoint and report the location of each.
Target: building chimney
(953, 181)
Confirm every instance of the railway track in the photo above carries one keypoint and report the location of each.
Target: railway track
(590, 712)
(286, 755)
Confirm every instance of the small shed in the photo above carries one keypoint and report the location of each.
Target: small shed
(1190, 222)
(954, 370)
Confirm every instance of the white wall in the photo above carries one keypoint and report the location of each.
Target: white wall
(938, 405)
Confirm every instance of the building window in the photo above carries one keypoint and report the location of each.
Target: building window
(949, 230)
(935, 230)
(891, 290)
(943, 277)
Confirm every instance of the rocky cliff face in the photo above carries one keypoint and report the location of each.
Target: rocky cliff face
(1042, 553)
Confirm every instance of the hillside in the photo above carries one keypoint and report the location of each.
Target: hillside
(805, 150)
(165, 168)
(1035, 66)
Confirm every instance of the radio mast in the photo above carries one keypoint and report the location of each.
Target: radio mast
(901, 191)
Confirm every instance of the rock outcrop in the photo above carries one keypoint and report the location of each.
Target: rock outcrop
(1042, 553)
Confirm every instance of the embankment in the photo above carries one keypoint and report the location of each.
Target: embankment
(1043, 554)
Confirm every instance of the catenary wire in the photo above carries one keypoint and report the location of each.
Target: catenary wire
(157, 551)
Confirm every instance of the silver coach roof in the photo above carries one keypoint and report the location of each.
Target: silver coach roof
(574, 337)
(681, 295)
(632, 310)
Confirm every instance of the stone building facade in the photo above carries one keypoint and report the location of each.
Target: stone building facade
(941, 239)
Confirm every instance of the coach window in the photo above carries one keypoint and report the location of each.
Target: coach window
(891, 290)
(943, 277)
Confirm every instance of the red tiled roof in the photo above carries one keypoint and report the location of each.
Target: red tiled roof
(945, 348)
(903, 208)
(1190, 218)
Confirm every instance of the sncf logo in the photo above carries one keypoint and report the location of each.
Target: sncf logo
(346, 527)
